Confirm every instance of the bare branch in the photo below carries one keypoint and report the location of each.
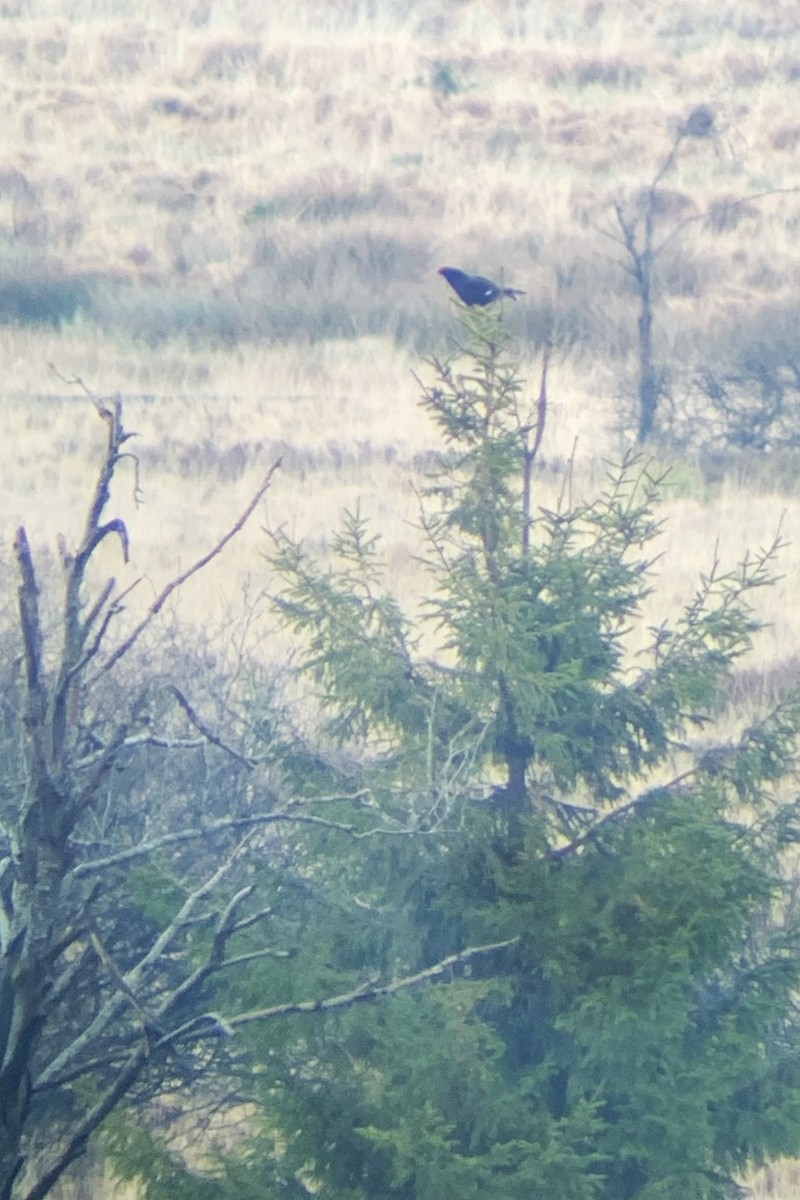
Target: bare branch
(29, 614)
(253, 919)
(702, 216)
(366, 992)
(529, 453)
(223, 825)
(254, 955)
(654, 796)
(226, 926)
(227, 923)
(119, 982)
(180, 580)
(109, 1012)
(112, 610)
(250, 763)
(140, 739)
(99, 604)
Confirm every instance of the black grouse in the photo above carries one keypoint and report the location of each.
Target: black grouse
(474, 289)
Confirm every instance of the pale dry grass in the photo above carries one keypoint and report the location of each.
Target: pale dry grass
(776, 1181)
(237, 155)
(346, 422)
(344, 418)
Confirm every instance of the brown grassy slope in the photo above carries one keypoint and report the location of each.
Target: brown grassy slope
(261, 177)
(303, 171)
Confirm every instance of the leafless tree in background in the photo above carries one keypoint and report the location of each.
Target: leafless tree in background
(123, 892)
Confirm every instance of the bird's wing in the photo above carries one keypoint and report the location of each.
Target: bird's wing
(484, 287)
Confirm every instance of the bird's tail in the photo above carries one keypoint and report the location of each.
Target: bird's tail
(512, 293)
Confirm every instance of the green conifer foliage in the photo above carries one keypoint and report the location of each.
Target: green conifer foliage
(639, 1041)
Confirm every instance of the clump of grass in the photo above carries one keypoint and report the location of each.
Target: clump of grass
(613, 72)
(444, 79)
(40, 295)
(229, 60)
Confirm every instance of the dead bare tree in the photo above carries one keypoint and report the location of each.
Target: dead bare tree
(646, 226)
(637, 236)
(103, 999)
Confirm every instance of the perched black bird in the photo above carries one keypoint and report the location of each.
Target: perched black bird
(474, 289)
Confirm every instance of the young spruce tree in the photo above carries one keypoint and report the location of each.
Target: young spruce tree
(639, 1041)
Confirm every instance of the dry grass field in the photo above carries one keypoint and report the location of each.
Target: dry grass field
(232, 214)
(234, 218)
